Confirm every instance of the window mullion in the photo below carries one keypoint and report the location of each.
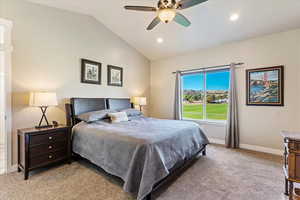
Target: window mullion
(205, 96)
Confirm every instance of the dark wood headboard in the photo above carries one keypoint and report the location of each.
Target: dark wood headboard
(84, 105)
(118, 104)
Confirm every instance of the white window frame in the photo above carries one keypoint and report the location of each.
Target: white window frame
(7, 48)
(204, 120)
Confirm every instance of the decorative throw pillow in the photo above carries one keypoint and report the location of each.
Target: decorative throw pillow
(95, 115)
(132, 112)
(118, 117)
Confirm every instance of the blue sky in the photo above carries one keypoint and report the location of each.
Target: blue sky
(215, 81)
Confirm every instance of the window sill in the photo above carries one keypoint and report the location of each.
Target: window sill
(208, 122)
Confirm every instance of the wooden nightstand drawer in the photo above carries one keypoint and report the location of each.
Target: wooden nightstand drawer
(47, 138)
(48, 158)
(47, 148)
(40, 147)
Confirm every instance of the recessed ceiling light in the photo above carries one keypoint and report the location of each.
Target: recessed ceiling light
(234, 17)
(159, 40)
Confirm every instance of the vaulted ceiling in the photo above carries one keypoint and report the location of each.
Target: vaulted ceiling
(210, 22)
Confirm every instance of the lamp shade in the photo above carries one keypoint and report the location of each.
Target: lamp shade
(40, 99)
(141, 101)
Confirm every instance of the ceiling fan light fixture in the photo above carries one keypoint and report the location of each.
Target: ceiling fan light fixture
(166, 11)
(167, 14)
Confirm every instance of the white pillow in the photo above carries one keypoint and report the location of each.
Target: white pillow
(118, 117)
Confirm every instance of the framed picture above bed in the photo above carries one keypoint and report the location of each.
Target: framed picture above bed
(114, 76)
(265, 86)
(90, 72)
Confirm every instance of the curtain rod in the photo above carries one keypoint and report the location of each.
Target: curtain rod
(204, 68)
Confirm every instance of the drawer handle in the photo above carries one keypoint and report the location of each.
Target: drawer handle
(50, 147)
(50, 157)
(50, 138)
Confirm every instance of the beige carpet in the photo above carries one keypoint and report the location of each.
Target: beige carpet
(223, 175)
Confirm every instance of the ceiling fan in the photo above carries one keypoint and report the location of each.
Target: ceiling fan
(167, 11)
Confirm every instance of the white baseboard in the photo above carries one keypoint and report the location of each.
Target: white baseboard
(250, 147)
(262, 149)
(12, 168)
(216, 141)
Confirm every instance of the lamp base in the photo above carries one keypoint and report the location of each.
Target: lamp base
(46, 126)
(43, 109)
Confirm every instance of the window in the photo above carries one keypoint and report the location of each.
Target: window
(205, 95)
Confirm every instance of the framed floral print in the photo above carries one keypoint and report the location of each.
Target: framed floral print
(265, 86)
(90, 72)
(114, 76)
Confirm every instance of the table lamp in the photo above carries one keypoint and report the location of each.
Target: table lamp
(140, 101)
(43, 100)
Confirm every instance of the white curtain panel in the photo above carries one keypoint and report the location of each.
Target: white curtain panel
(232, 130)
(178, 97)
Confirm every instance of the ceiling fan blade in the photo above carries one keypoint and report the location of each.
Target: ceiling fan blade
(155, 22)
(140, 8)
(183, 4)
(182, 20)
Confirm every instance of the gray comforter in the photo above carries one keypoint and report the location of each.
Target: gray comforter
(140, 151)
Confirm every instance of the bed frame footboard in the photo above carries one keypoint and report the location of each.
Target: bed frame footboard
(176, 172)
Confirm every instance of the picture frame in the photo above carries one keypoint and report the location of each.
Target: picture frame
(90, 72)
(265, 86)
(114, 76)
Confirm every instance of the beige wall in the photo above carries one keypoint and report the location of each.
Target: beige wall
(258, 125)
(48, 44)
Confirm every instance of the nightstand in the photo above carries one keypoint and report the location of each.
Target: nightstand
(41, 147)
(291, 162)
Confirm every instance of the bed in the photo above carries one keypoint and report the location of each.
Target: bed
(144, 152)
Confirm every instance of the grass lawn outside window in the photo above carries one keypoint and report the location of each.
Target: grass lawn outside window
(213, 111)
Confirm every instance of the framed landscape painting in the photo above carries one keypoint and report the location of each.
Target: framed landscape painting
(114, 76)
(265, 86)
(90, 72)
